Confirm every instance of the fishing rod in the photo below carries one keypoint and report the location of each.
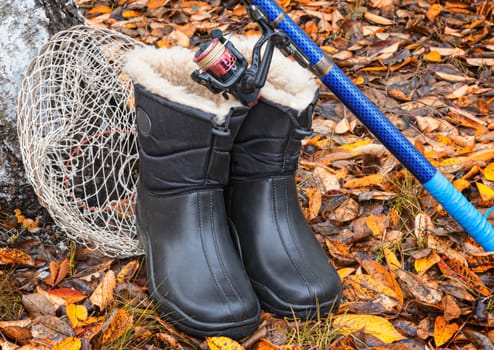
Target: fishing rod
(223, 69)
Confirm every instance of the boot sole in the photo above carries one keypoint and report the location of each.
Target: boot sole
(305, 312)
(187, 324)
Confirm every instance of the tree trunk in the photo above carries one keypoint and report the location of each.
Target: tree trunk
(24, 27)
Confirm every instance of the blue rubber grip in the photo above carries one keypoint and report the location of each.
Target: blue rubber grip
(461, 210)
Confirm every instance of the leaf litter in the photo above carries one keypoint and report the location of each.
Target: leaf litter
(412, 278)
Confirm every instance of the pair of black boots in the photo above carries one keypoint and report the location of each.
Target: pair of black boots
(217, 204)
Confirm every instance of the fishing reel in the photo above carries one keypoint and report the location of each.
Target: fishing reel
(223, 69)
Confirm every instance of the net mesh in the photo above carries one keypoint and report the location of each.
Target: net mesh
(77, 133)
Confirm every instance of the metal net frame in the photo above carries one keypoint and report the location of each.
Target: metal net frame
(78, 137)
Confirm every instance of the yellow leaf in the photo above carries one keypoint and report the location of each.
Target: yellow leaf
(443, 331)
(351, 146)
(70, 343)
(489, 172)
(366, 181)
(486, 193)
(391, 259)
(377, 326)
(377, 224)
(223, 343)
(424, 264)
(345, 271)
(76, 314)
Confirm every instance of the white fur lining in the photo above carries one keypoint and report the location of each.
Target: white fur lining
(288, 83)
(166, 72)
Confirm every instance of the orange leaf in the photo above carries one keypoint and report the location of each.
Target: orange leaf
(153, 4)
(99, 10)
(265, 344)
(130, 13)
(119, 323)
(12, 256)
(433, 11)
(433, 56)
(461, 184)
(366, 181)
(443, 331)
(69, 295)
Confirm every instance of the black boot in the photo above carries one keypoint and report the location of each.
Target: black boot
(195, 273)
(287, 266)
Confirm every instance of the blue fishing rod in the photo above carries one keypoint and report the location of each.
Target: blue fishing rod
(223, 69)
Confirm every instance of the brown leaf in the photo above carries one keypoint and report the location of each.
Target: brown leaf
(57, 272)
(119, 322)
(128, 271)
(424, 292)
(170, 340)
(103, 294)
(38, 305)
(347, 211)
(51, 327)
(458, 270)
(451, 308)
(19, 334)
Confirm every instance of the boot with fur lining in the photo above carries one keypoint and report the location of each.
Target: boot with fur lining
(288, 268)
(185, 138)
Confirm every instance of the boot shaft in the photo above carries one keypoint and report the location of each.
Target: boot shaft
(269, 140)
(182, 148)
